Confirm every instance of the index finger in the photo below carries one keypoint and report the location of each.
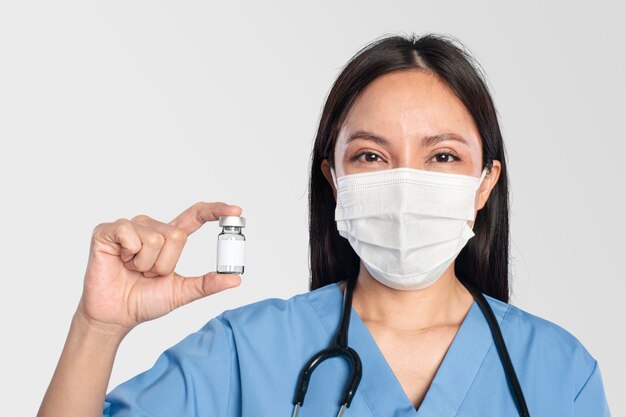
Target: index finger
(195, 216)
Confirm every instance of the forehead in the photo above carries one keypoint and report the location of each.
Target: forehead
(409, 104)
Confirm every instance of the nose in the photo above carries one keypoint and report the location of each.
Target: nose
(408, 155)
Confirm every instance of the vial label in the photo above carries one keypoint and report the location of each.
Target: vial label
(231, 252)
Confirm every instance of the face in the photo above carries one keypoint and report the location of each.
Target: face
(410, 119)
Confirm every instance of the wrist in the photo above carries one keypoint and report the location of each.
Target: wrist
(90, 329)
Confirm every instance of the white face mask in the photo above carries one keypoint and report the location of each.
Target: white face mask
(407, 225)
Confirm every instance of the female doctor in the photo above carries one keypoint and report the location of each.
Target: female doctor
(408, 203)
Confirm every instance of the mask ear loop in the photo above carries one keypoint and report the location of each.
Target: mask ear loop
(482, 177)
(332, 173)
(480, 181)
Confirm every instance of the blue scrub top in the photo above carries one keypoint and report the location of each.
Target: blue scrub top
(246, 362)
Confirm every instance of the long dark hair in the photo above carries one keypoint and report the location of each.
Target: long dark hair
(484, 261)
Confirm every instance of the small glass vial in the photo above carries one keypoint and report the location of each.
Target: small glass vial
(231, 245)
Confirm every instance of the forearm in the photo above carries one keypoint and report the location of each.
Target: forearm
(79, 383)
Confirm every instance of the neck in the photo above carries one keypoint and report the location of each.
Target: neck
(443, 303)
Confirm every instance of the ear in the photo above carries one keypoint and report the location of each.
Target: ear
(326, 171)
(490, 180)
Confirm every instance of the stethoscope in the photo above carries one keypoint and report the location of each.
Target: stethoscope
(339, 347)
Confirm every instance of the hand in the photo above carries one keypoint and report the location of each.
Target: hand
(130, 275)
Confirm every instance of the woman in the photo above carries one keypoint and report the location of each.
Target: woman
(408, 200)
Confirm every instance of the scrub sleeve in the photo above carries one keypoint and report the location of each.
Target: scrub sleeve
(191, 378)
(591, 399)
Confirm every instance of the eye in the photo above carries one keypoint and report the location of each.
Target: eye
(445, 157)
(369, 157)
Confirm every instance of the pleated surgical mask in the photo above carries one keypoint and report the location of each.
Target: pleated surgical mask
(407, 225)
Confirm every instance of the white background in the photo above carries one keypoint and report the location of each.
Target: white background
(112, 109)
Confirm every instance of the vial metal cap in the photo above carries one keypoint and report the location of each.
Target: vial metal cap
(236, 221)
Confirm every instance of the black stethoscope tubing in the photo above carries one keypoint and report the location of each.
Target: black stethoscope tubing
(339, 347)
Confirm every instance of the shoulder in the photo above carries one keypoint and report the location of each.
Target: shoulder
(266, 309)
(541, 330)
(274, 335)
(543, 342)
(274, 318)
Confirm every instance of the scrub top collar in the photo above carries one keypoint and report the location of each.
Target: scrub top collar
(379, 386)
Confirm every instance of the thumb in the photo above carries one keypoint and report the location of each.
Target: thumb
(194, 288)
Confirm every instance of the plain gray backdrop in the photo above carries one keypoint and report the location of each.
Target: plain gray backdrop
(112, 109)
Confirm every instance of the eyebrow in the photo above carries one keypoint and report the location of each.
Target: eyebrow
(426, 142)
